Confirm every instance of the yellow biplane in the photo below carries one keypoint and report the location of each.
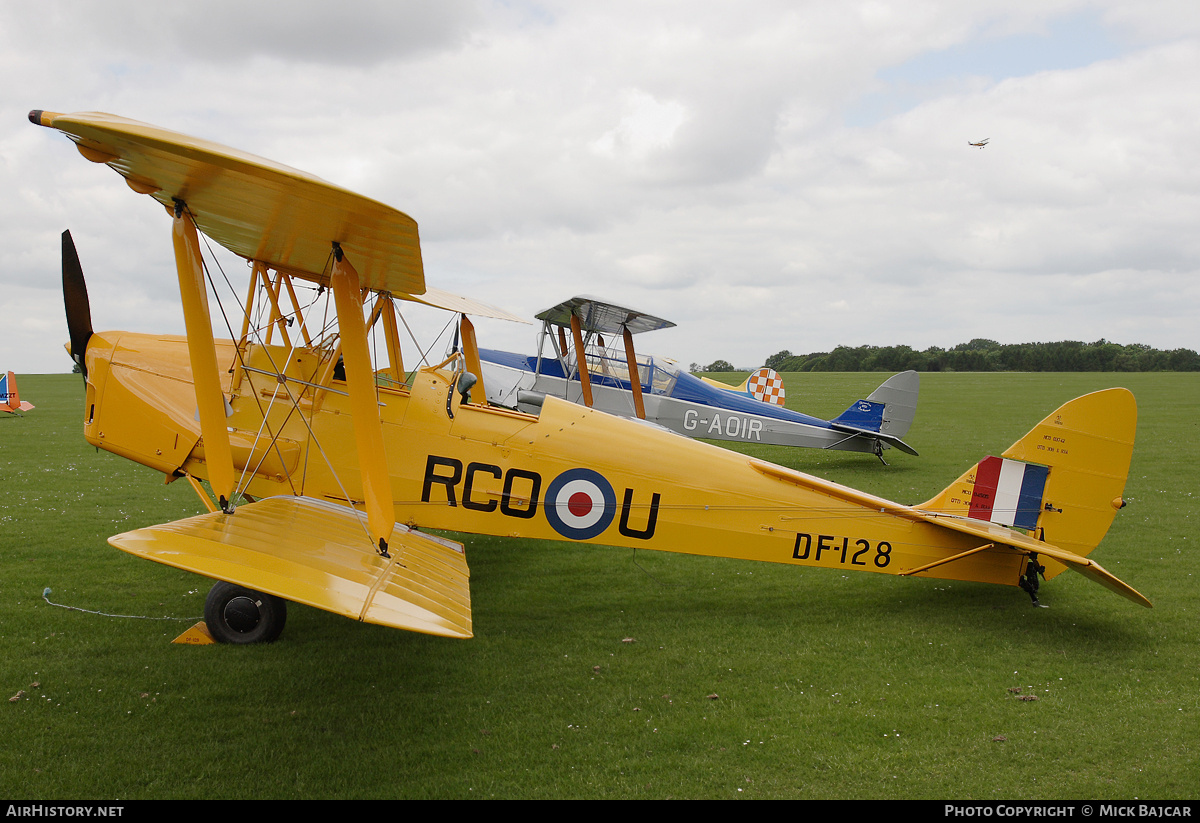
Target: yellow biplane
(327, 460)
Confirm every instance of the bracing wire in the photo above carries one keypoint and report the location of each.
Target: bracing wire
(293, 399)
(46, 596)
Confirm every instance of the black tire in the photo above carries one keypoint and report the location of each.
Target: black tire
(235, 614)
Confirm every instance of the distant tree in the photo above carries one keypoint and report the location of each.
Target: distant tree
(777, 360)
(982, 354)
(935, 359)
(719, 365)
(1183, 360)
(978, 344)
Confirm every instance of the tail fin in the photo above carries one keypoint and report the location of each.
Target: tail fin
(10, 398)
(889, 409)
(765, 385)
(1063, 481)
(899, 395)
(887, 413)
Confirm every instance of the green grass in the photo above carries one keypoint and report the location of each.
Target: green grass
(742, 680)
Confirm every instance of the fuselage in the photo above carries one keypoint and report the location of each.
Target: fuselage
(569, 473)
(673, 399)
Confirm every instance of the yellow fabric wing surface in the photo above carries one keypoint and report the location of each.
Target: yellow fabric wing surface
(319, 554)
(463, 305)
(255, 207)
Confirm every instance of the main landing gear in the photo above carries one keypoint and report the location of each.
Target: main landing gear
(235, 614)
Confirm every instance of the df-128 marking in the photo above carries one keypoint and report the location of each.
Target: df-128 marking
(860, 552)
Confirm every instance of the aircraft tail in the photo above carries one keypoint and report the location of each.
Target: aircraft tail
(10, 398)
(889, 409)
(887, 413)
(1062, 482)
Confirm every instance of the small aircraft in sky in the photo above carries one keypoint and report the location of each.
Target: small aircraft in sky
(326, 460)
(10, 398)
(980, 144)
(581, 368)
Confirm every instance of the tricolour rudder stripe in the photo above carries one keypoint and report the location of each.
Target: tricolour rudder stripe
(1030, 493)
(983, 490)
(1008, 492)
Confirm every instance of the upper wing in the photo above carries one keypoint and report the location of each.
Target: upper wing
(463, 305)
(257, 208)
(602, 316)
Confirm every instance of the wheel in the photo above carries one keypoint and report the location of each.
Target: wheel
(235, 614)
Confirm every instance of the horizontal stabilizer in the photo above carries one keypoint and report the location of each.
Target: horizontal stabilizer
(320, 554)
(891, 440)
(1096, 573)
(1002, 535)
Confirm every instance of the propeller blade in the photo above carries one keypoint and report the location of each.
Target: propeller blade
(75, 298)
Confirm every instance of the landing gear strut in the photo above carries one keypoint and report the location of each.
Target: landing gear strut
(235, 614)
(1029, 580)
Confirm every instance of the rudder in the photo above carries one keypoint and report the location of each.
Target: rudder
(899, 395)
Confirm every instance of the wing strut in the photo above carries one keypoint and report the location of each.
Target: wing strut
(391, 333)
(635, 377)
(562, 347)
(202, 350)
(471, 354)
(364, 403)
(581, 360)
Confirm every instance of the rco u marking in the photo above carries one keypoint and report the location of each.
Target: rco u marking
(579, 503)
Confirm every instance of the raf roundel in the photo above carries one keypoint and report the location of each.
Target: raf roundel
(580, 504)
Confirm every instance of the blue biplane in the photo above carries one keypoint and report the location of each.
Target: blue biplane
(583, 369)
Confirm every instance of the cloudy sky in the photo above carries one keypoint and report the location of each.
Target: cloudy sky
(769, 175)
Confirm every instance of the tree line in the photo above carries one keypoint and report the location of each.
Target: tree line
(988, 355)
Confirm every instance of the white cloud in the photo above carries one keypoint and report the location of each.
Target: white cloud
(769, 175)
(647, 126)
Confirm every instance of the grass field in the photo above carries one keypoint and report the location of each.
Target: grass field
(601, 673)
